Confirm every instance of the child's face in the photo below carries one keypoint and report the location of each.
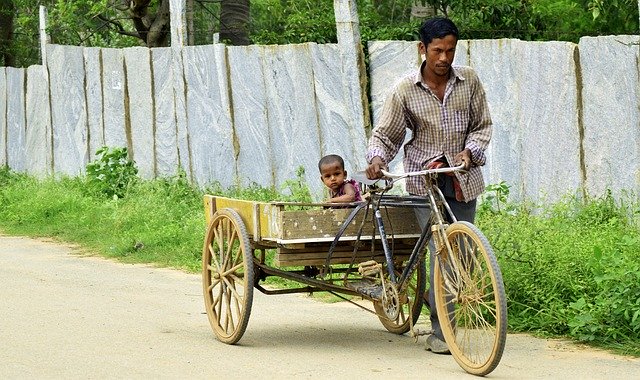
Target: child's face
(332, 175)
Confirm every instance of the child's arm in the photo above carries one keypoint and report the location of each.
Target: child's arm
(348, 196)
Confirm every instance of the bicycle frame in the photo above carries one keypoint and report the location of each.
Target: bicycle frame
(434, 200)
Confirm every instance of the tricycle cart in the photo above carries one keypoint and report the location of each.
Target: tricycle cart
(373, 250)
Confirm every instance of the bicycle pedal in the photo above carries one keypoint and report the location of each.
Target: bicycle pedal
(369, 268)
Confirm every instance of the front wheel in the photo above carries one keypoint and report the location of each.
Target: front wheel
(470, 299)
(227, 276)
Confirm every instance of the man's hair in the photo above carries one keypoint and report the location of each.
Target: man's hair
(330, 159)
(437, 27)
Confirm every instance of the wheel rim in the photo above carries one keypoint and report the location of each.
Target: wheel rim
(471, 306)
(410, 303)
(227, 271)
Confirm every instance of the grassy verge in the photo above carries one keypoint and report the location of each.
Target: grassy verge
(570, 269)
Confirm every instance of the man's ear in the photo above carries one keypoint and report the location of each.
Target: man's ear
(421, 48)
(345, 174)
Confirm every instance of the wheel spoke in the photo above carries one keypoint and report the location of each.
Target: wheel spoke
(227, 268)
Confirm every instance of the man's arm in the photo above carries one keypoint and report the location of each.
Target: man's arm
(387, 138)
(479, 133)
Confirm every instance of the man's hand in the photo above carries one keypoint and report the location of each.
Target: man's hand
(374, 170)
(463, 157)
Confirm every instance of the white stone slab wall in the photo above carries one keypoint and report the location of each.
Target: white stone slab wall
(16, 119)
(550, 164)
(166, 145)
(292, 118)
(254, 161)
(498, 63)
(68, 109)
(114, 92)
(182, 118)
(611, 98)
(39, 156)
(93, 92)
(141, 111)
(209, 124)
(353, 80)
(338, 134)
(3, 116)
(254, 114)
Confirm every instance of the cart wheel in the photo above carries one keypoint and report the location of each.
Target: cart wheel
(470, 300)
(227, 276)
(411, 302)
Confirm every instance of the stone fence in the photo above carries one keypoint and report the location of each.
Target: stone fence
(566, 116)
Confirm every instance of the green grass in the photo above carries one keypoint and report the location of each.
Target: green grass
(570, 269)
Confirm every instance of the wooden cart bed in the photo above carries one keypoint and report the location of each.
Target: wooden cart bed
(303, 237)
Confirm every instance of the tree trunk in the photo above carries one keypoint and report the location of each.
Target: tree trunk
(234, 21)
(159, 29)
(7, 56)
(191, 32)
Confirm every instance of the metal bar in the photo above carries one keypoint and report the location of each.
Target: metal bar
(321, 284)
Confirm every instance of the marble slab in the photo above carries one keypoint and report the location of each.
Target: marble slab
(93, 89)
(210, 129)
(39, 160)
(140, 96)
(114, 115)
(16, 119)
(166, 144)
(611, 114)
(68, 109)
(254, 161)
(3, 117)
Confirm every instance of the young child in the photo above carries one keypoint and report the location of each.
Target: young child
(334, 176)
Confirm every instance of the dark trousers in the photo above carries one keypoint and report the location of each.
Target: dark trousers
(464, 211)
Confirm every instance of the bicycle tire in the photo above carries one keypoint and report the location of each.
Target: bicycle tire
(474, 321)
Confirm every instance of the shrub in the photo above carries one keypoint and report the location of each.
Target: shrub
(112, 173)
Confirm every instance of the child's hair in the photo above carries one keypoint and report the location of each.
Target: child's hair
(330, 159)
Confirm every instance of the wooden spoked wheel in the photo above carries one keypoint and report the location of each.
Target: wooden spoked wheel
(470, 299)
(411, 302)
(227, 275)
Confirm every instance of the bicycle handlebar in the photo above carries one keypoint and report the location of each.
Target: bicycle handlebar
(398, 176)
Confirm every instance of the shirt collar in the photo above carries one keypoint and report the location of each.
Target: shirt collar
(455, 72)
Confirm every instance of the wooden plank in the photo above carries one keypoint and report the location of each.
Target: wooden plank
(209, 208)
(283, 262)
(267, 227)
(324, 224)
(316, 254)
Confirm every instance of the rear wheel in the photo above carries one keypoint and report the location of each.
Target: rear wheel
(411, 302)
(470, 299)
(227, 276)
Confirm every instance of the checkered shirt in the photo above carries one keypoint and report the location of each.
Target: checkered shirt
(439, 129)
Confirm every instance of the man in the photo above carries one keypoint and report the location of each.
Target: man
(446, 110)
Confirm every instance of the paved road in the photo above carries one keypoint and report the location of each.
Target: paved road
(64, 315)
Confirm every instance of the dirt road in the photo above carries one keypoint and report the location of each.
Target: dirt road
(69, 316)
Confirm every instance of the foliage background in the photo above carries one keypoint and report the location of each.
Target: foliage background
(84, 23)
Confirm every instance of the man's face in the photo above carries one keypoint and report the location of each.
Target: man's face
(439, 54)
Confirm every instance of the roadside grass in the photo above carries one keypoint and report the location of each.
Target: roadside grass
(570, 269)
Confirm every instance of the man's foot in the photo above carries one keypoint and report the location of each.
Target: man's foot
(437, 346)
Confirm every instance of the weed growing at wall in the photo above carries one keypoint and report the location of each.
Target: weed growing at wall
(112, 172)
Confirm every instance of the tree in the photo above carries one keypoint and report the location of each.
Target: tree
(7, 56)
(234, 21)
